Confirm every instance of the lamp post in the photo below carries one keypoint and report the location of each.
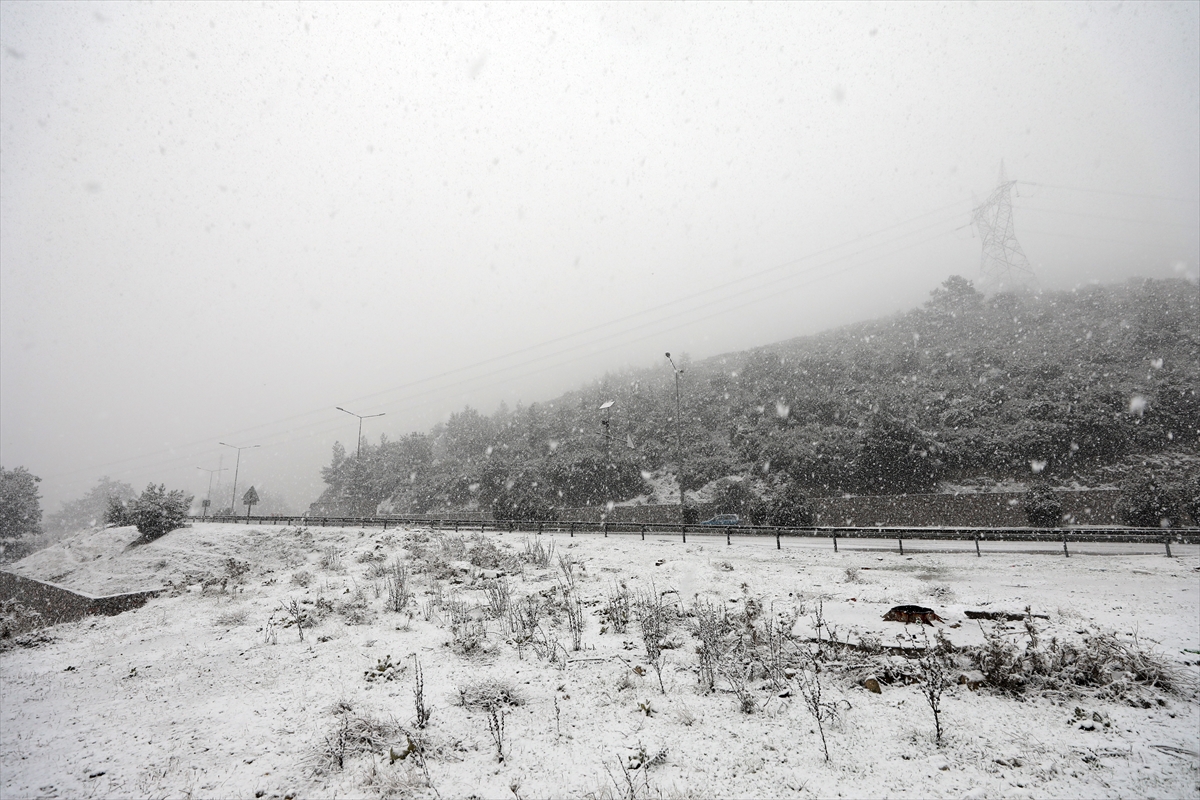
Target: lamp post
(358, 477)
(678, 436)
(237, 467)
(604, 422)
(208, 497)
(361, 417)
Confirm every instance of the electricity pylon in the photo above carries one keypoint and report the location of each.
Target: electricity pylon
(1004, 265)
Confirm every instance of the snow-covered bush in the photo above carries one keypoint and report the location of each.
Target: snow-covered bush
(1043, 508)
(790, 508)
(1149, 501)
(735, 496)
(20, 511)
(1101, 662)
(156, 513)
(655, 616)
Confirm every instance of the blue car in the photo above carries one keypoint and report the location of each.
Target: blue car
(723, 520)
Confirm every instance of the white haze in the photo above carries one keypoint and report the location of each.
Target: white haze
(219, 221)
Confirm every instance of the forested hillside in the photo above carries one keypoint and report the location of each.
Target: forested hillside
(1061, 385)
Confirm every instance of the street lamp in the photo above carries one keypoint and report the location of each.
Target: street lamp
(361, 417)
(208, 497)
(678, 436)
(604, 421)
(237, 467)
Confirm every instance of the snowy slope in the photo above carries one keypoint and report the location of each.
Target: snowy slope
(207, 692)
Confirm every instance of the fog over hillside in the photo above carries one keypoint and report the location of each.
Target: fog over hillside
(1067, 388)
(222, 222)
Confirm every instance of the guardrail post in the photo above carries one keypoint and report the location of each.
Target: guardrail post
(835, 544)
(1167, 542)
(605, 524)
(685, 534)
(540, 528)
(727, 541)
(777, 545)
(1066, 552)
(643, 533)
(900, 539)
(977, 553)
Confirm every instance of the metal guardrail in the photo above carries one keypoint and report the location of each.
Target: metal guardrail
(1163, 536)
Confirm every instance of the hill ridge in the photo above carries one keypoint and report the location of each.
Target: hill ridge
(1058, 386)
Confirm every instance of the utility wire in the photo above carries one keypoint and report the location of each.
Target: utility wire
(1107, 216)
(531, 348)
(721, 305)
(1109, 191)
(1138, 242)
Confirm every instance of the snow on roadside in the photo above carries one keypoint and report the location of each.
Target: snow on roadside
(206, 692)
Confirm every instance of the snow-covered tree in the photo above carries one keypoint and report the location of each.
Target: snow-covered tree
(20, 511)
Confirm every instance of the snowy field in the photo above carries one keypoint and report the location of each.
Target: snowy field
(209, 691)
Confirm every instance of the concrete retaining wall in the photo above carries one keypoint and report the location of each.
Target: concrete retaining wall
(998, 510)
(60, 604)
(992, 510)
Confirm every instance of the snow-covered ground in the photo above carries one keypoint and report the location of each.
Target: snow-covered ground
(206, 692)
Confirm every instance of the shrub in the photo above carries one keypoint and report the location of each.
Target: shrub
(703, 469)
(331, 559)
(16, 619)
(399, 594)
(896, 458)
(655, 617)
(355, 735)
(736, 497)
(591, 479)
(1101, 661)
(119, 512)
(1188, 492)
(484, 553)
(1043, 507)
(1148, 502)
(489, 692)
(156, 513)
(521, 503)
(790, 508)
(537, 553)
(616, 609)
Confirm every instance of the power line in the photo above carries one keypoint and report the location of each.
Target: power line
(1107, 216)
(721, 307)
(1089, 238)
(1112, 192)
(575, 334)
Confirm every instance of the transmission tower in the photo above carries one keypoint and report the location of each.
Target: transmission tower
(1004, 265)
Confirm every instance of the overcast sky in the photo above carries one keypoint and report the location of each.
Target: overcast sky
(219, 221)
